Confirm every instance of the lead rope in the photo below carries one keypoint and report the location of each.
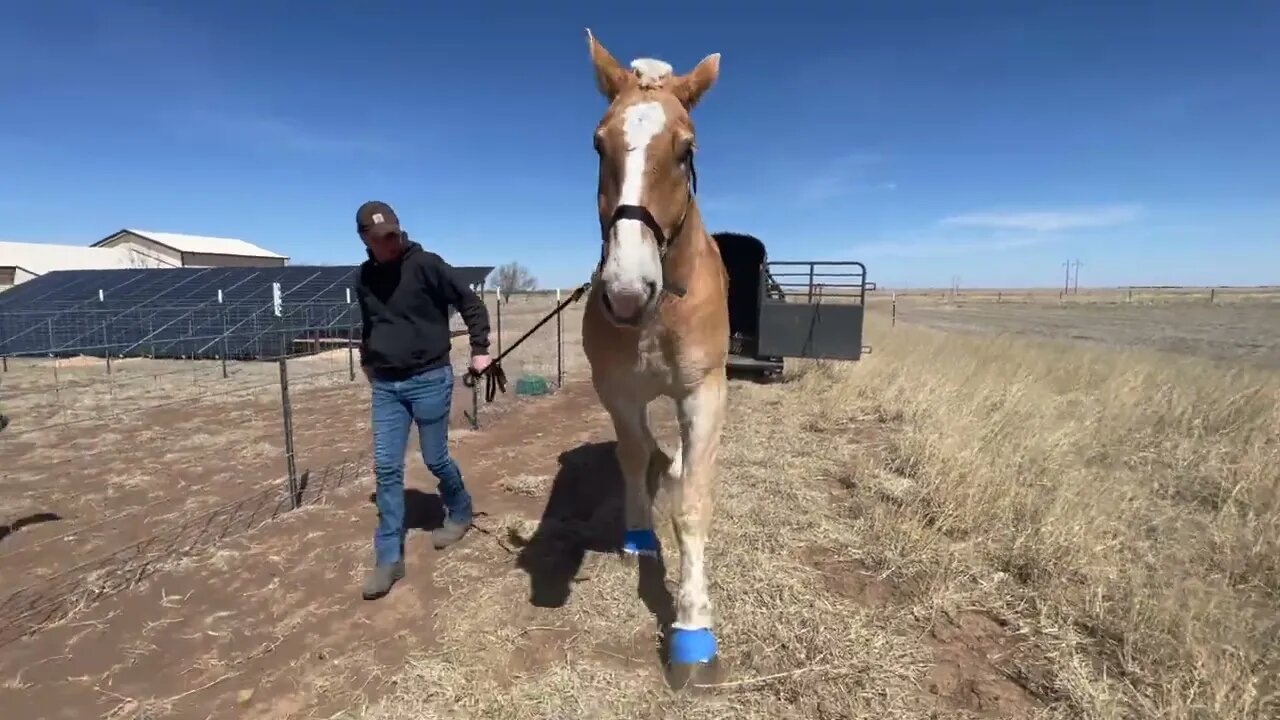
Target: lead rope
(494, 376)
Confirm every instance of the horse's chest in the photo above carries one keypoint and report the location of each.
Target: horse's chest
(653, 358)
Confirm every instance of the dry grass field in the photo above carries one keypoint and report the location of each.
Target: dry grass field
(1237, 325)
(1091, 295)
(958, 526)
(963, 524)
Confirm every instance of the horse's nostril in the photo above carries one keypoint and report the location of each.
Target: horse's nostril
(652, 287)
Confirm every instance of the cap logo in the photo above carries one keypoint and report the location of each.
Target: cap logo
(377, 217)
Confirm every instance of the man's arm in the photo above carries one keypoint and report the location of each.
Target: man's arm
(460, 295)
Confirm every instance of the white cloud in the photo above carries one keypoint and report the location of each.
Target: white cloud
(943, 248)
(1048, 220)
(840, 176)
(276, 133)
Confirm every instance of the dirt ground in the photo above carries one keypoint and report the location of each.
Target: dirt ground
(959, 526)
(1240, 330)
(267, 618)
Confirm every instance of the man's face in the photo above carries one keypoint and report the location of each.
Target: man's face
(385, 245)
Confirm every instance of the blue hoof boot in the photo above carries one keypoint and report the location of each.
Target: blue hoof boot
(692, 647)
(640, 542)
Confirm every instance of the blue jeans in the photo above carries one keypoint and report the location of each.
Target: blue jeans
(424, 398)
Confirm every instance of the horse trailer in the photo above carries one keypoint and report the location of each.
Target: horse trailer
(797, 309)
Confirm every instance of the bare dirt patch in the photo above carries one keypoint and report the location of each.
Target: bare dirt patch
(270, 623)
(151, 452)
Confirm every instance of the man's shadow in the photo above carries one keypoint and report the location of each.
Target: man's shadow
(422, 510)
(584, 512)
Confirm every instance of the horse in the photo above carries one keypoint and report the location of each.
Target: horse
(656, 319)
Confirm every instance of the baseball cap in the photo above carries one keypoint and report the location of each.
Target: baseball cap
(376, 218)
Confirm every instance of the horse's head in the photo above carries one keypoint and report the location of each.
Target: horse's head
(646, 143)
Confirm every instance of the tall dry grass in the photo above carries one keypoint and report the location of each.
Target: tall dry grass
(1117, 515)
(1124, 506)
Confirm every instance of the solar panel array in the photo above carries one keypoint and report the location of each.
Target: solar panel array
(182, 312)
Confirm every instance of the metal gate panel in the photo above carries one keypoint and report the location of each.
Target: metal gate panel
(813, 309)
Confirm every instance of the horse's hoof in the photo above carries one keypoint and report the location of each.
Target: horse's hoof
(640, 542)
(693, 647)
(693, 660)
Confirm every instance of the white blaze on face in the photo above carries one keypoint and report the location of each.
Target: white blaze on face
(633, 258)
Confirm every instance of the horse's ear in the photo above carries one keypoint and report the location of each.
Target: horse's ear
(689, 88)
(611, 78)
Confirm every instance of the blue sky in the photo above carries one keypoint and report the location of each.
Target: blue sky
(988, 140)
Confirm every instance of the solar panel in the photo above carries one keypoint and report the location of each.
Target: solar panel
(176, 312)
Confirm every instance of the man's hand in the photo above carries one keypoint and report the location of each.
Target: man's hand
(479, 363)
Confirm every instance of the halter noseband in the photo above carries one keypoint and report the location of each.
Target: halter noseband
(641, 213)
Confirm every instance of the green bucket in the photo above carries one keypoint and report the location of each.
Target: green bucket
(532, 385)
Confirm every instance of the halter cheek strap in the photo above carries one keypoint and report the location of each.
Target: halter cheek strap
(641, 214)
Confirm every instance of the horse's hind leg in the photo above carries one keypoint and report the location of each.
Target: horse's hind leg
(701, 416)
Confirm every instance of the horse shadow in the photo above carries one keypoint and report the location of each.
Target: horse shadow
(584, 513)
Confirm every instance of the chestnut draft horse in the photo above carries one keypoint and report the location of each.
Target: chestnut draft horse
(657, 317)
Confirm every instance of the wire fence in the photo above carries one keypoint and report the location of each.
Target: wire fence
(117, 464)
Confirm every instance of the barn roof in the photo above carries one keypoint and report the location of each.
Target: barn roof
(199, 244)
(41, 258)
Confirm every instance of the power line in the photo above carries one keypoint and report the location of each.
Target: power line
(1069, 285)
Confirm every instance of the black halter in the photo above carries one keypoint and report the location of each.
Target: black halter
(642, 214)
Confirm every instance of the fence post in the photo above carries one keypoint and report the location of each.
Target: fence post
(224, 340)
(286, 413)
(106, 344)
(893, 311)
(559, 346)
(1212, 293)
(498, 294)
(351, 344)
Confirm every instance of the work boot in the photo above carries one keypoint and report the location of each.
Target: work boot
(380, 579)
(458, 513)
(449, 533)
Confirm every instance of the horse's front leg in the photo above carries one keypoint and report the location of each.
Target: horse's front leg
(634, 452)
(701, 415)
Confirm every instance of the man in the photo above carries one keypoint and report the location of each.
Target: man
(405, 293)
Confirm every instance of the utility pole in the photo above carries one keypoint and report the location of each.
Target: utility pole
(1076, 286)
(1066, 282)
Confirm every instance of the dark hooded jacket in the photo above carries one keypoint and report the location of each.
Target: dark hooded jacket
(404, 308)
